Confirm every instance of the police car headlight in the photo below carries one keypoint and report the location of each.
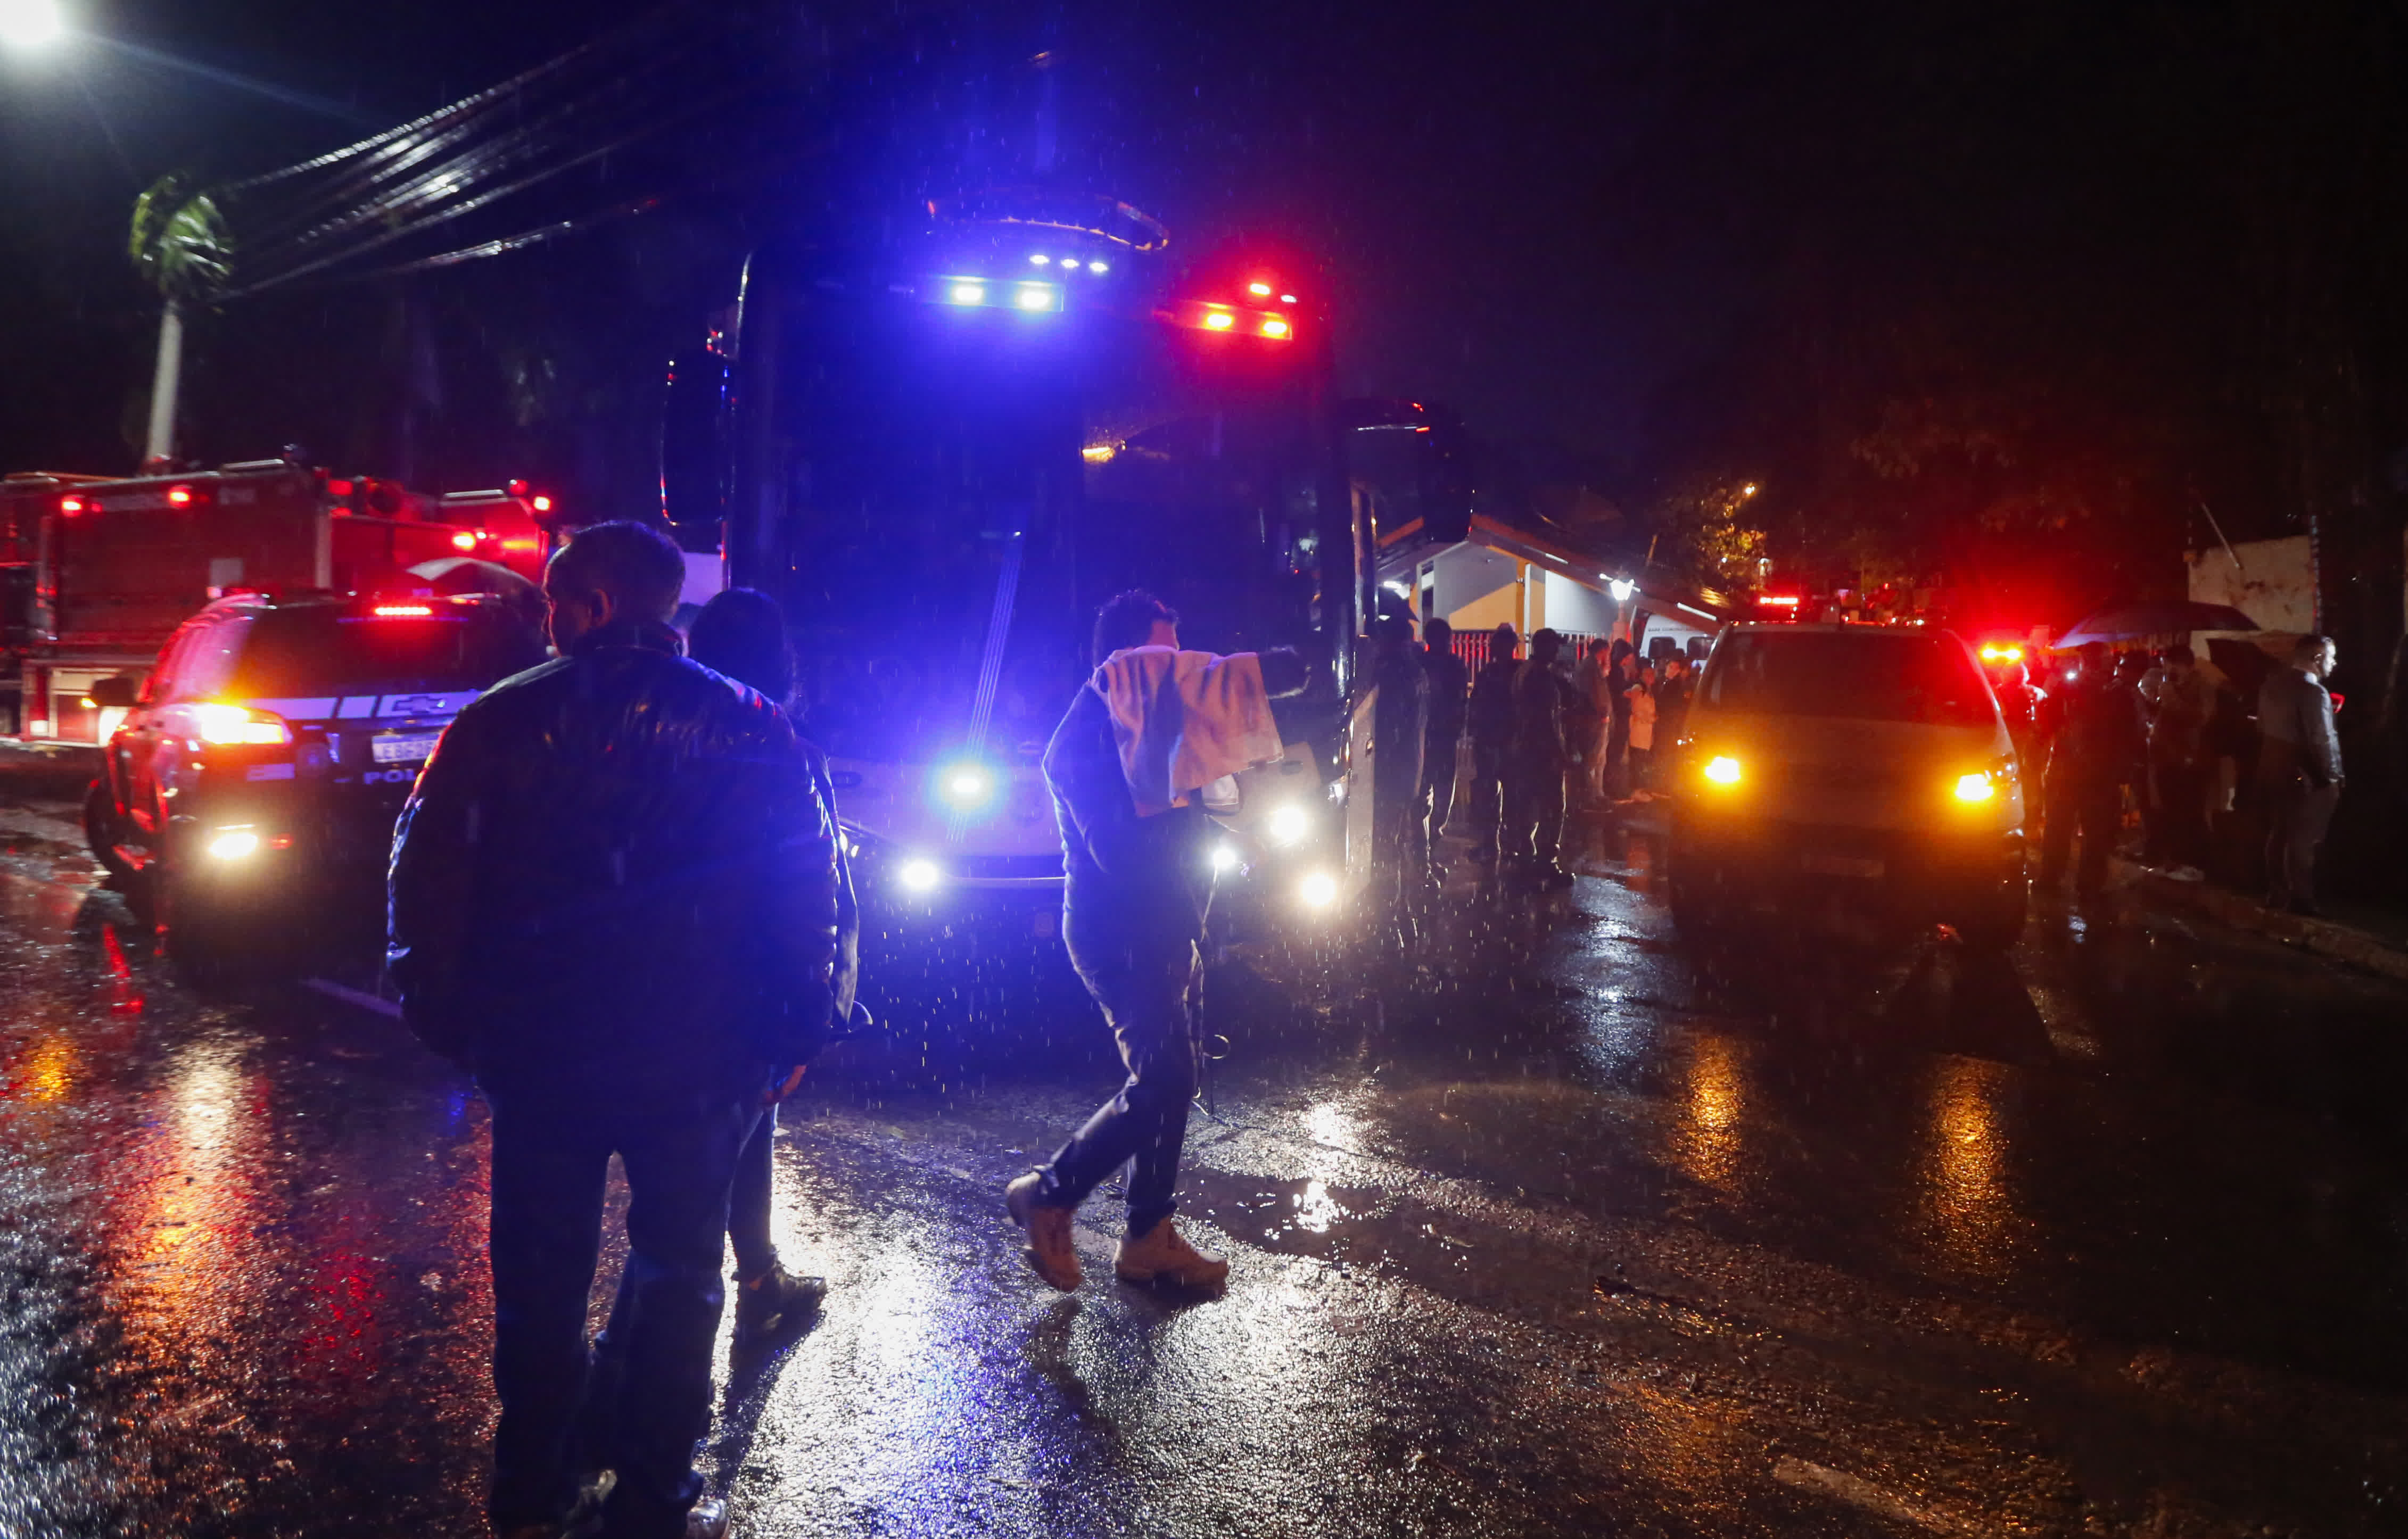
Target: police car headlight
(233, 844)
(920, 874)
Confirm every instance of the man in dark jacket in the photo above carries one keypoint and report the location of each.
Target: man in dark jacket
(2099, 734)
(2298, 770)
(1133, 908)
(612, 896)
(1450, 685)
(1534, 775)
(1489, 719)
(1398, 735)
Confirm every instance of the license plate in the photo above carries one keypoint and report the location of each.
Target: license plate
(1824, 864)
(403, 747)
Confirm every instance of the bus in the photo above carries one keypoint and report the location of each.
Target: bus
(941, 450)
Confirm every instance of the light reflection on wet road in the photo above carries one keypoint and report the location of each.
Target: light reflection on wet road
(1557, 1228)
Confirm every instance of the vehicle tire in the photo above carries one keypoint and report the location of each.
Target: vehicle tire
(197, 941)
(1694, 892)
(101, 829)
(1998, 921)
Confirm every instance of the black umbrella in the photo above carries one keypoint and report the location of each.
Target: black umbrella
(2155, 618)
(449, 575)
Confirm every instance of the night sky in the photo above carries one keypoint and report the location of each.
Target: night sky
(1945, 278)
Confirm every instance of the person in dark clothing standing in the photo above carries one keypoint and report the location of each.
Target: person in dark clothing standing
(2182, 702)
(1399, 726)
(2298, 770)
(1450, 685)
(1541, 753)
(1620, 669)
(612, 896)
(1672, 703)
(742, 635)
(1489, 718)
(2099, 736)
(1133, 910)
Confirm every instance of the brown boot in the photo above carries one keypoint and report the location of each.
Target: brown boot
(1049, 1232)
(1163, 1255)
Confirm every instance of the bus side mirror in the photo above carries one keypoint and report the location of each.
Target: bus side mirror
(114, 693)
(697, 440)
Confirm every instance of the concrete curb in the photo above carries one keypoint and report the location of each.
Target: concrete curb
(2325, 937)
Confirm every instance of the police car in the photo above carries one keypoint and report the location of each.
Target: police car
(252, 784)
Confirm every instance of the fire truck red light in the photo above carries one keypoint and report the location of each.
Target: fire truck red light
(403, 611)
(179, 496)
(1260, 291)
(70, 506)
(543, 504)
(465, 541)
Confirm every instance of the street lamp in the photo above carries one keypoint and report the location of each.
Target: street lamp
(31, 23)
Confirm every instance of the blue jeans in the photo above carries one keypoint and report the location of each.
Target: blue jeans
(551, 1160)
(1143, 991)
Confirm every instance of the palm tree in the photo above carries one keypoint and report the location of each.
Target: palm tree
(182, 248)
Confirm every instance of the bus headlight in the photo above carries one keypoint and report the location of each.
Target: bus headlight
(1287, 824)
(966, 787)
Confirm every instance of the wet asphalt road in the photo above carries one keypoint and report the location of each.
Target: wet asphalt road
(1552, 1226)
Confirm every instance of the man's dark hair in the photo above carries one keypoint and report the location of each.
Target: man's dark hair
(1127, 620)
(639, 567)
(742, 633)
(1546, 645)
(1392, 632)
(2310, 650)
(1503, 641)
(1437, 633)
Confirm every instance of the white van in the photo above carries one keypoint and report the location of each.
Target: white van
(1856, 763)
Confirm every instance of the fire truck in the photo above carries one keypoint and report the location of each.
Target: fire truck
(97, 571)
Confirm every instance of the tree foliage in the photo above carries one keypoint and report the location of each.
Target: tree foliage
(180, 242)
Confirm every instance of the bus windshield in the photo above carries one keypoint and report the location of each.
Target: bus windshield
(971, 485)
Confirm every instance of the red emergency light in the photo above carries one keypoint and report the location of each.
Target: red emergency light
(466, 539)
(179, 496)
(1999, 654)
(403, 611)
(542, 503)
(70, 506)
(1778, 600)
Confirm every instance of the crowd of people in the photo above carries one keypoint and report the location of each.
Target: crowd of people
(1535, 726)
(2222, 780)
